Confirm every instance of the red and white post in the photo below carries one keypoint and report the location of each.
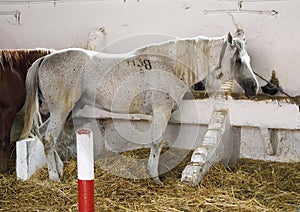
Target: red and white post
(85, 169)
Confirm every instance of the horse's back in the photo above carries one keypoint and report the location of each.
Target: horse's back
(74, 60)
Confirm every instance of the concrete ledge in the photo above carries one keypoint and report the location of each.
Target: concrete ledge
(266, 114)
(30, 157)
(243, 113)
(265, 130)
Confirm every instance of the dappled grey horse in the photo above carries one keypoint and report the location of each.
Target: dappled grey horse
(150, 80)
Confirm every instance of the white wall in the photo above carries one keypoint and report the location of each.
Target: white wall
(272, 39)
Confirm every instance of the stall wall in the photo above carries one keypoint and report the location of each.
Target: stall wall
(271, 26)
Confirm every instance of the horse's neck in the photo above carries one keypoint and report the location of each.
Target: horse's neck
(194, 58)
(210, 56)
(198, 57)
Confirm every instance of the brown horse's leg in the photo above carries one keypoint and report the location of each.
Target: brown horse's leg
(4, 148)
(6, 121)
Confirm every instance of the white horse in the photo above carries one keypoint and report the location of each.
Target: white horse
(150, 80)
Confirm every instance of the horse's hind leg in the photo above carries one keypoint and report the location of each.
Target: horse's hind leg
(59, 111)
(55, 126)
(55, 165)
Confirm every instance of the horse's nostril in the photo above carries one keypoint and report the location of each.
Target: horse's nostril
(250, 94)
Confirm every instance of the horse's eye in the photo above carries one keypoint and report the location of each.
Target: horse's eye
(239, 61)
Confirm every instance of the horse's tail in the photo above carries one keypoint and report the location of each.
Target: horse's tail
(31, 103)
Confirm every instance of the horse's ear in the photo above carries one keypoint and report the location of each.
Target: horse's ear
(229, 39)
(240, 34)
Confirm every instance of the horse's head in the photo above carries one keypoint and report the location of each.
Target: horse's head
(236, 63)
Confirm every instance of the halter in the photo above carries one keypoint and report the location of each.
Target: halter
(241, 47)
(242, 53)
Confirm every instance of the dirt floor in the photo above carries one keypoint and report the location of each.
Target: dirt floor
(249, 186)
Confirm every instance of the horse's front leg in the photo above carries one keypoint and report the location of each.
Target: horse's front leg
(6, 122)
(154, 160)
(159, 124)
(4, 148)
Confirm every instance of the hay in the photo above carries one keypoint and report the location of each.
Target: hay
(241, 96)
(249, 186)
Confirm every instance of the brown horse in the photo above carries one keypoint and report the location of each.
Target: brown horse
(13, 70)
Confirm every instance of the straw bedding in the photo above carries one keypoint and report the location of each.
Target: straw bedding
(249, 186)
(241, 96)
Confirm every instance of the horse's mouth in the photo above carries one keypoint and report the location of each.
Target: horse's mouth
(251, 93)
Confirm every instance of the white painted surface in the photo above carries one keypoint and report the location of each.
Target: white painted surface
(272, 39)
(85, 154)
(30, 157)
(22, 165)
(265, 114)
(287, 148)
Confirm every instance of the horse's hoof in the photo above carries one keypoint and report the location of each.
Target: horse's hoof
(157, 181)
(56, 180)
(54, 177)
(4, 171)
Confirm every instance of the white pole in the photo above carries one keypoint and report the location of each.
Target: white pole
(85, 169)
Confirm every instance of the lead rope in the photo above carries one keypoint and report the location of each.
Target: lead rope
(280, 90)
